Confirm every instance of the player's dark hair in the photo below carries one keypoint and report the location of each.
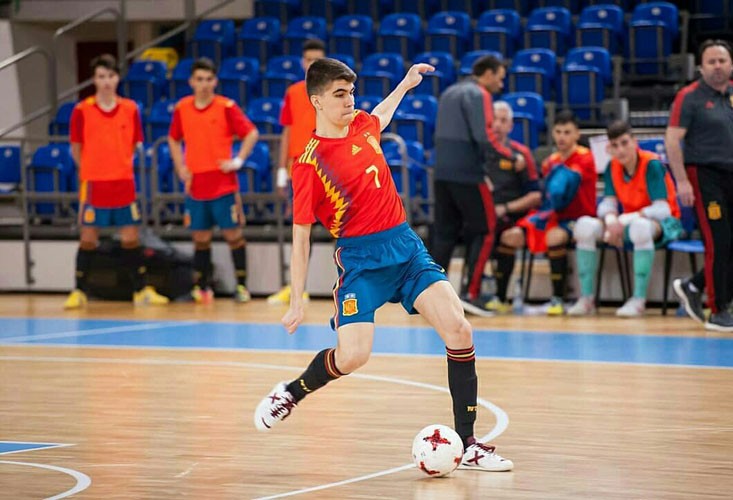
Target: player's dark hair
(564, 117)
(203, 63)
(106, 61)
(713, 43)
(314, 44)
(324, 71)
(486, 63)
(618, 128)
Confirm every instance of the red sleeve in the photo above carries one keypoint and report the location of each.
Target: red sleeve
(490, 135)
(286, 113)
(76, 126)
(589, 166)
(139, 136)
(307, 193)
(176, 129)
(681, 113)
(528, 158)
(239, 124)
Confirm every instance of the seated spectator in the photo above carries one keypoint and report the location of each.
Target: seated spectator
(640, 184)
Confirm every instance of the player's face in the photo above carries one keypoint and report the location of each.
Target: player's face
(623, 148)
(716, 66)
(203, 82)
(337, 103)
(566, 136)
(106, 80)
(502, 123)
(311, 56)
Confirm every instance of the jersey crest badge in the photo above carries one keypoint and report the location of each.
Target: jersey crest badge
(374, 143)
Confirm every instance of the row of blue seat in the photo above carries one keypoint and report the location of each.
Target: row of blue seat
(454, 32)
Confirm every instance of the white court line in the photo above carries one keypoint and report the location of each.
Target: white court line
(82, 480)
(48, 446)
(502, 420)
(96, 331)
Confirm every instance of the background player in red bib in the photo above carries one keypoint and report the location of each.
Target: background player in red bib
(208, 124)
(649, 218)
(343, 181)
(105, 130)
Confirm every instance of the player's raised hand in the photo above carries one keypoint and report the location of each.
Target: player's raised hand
(414, 74)
(293, 318)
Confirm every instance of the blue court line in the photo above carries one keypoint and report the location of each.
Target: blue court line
(8, 447)
(560, 346)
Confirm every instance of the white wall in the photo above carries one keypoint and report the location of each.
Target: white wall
(11, 110)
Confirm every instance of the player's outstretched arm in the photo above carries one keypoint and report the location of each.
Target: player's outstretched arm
(385, 109)
(298, 272)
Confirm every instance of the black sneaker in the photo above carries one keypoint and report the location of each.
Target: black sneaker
(720, 322)
(476, 307)
(691, 300)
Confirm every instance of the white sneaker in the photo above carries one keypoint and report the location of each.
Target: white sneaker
(585, 306)
(633, 308)
(275, 407)
(479, 456)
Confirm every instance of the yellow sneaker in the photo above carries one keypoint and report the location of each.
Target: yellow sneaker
(148, 296)
(202, 295)
(280, 297)
(76, 299)
(498, 306)
(242, 295)
(556, 307)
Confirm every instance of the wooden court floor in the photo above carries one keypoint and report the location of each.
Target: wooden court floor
(170, 422)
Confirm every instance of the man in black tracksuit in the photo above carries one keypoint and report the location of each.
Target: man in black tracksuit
(702, 118)
(467, 151)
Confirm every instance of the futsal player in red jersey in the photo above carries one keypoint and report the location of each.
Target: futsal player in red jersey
(343, 181)
(104, 131)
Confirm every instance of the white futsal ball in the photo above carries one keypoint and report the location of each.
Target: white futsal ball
(437, 450)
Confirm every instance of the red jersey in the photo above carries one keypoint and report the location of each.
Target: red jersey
(346, 184)
(208, 133)
(107, 140)
(581, 161)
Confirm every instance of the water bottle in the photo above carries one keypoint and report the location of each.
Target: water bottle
(517, 298)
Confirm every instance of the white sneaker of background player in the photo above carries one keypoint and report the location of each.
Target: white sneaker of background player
(479, 456)
(633, 308)
(276, 406)
(583, 307)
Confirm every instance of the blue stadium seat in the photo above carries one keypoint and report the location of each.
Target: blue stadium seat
(400, 33)
(601, 26)
(585, 74)
(498, 30)
(166, 175)
(415, 117)
(60, 123)
(256, 176)
(353, 35)
(470, 57)
(283, 10)
(301, 29)
(179, 86)
(448, 32)
(416, 161)
(281, 72)
(51, 171)
(327, 9)
(159, 120)
(711, 16)
(652, 29)
(529, 117)
(380, 73)
(260, 38)
(10, 165)
(344, 58)
(367, 102)
(445, 73)
(655, 146)
(265, 114)
(533, 70)
(240, 78)
(214, 38)
(549, 28)
(145, 82)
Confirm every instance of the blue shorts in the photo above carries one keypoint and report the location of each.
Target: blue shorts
(111, 217)
(202, 215)
(389, 266)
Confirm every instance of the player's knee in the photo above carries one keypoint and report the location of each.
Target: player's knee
(349, 360)
(458, 332)
(587, 231)
(556, 237)
(513, 238)
(641, 234)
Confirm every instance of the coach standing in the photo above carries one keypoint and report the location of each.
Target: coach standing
(466, 153)
(702, 118)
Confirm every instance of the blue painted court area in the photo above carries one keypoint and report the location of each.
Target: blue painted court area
(7, 447)
(560, 346)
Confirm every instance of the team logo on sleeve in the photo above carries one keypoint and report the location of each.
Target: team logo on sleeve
(349, 306)
(373, 142)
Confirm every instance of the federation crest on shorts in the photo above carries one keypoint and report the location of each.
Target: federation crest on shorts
(89, 215)
(349, 306)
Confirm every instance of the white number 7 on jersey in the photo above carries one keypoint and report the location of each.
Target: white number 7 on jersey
(374, 169)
